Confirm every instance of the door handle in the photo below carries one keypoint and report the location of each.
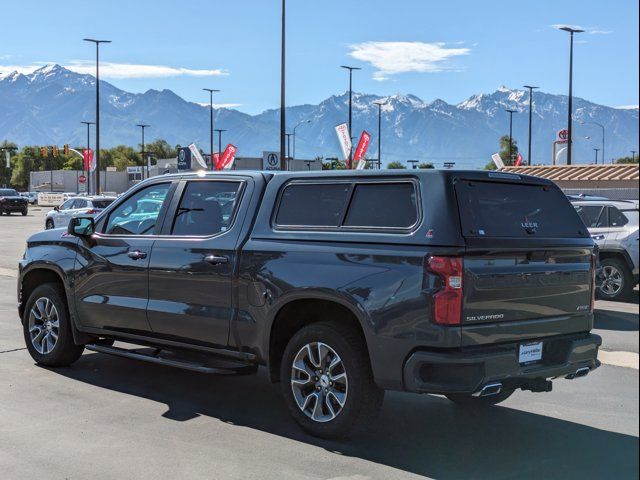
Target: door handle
(216, 259)
(137, 255)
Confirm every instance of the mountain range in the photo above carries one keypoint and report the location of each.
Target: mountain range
(47, 106)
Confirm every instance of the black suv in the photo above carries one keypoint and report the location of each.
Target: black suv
(344, 284)
(11, 201)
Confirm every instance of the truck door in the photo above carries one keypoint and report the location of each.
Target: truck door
(192, 263)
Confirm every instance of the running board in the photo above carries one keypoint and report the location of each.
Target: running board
(213, 366)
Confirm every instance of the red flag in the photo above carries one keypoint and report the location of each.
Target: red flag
(518, 160)
(215, 160)
(87, 157)
(226, 161)
(363, 144)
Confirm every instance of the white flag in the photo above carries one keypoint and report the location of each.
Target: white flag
(195, 153)
(344, 138)
(497, 160)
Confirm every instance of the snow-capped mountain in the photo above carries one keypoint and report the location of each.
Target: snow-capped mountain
(47, 106)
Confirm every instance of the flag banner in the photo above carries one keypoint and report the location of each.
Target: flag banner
(518, 160)
(344, 138)
(87, 157)
(7, 156)
(497, 160)
(215, 161)
(226, 160)
(195, 153)
(361, 150)
(184, 158)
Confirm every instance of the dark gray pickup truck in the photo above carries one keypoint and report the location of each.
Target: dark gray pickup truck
(343, 284)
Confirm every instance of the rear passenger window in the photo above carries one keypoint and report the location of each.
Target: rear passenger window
(617, 218)
(313, 205)
(206, 208)
(390, 205)
(591, 215)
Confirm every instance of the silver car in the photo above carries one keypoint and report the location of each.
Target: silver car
(614, 226)
(85, 205)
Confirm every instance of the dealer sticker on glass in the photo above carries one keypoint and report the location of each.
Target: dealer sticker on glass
(530, 352)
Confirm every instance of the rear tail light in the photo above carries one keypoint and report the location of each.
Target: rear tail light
(93, 211)
(447, 302)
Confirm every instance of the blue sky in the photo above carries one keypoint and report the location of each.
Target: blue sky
(448, 50)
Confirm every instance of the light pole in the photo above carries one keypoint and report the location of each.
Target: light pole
(570, 107)
(596, 150)
(88, 124)
(283, 121)
(379, 104)
(288, 136)
(97, 42)
(602, 128)
(211, 90)
(633, 156)
(531, 89)
(351, 69)
(219, 130)
(510, 112)
(142, 127)
(294, 136)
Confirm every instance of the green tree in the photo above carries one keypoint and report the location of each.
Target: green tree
(333, 164)
(161, 149)
(627, 160)
(504, 153)
(396, 166)
(426, 165)
(5, 173)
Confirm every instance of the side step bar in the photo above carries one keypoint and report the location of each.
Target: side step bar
(211, 366)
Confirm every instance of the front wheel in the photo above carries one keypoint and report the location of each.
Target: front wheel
(24, 213)
(47, 328)
(468, 400)
(327, 381)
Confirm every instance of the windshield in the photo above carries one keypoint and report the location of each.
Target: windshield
(8, 192)
(101, 203)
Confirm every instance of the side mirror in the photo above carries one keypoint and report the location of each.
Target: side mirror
(56, 208)
(81, 226)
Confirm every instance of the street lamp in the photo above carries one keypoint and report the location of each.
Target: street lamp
(602, 128)
(211, 90)
(97, 42)
(351, 69)
(294, 136)
(379, 104)
(596, 150)
(283, 122)
(219, 130)
(143, 126)
(510, 112)
(633, 155)
(88, 124)
(531, 89)
(570, 107)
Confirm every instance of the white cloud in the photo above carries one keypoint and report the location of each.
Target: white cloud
(588, 30)
(120, 70)
(390, 58)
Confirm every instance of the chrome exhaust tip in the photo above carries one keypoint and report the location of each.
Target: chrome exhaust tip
(581, 372)
(489, 389)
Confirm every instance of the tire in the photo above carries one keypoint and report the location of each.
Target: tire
(617, 283)
(360, 397)
(24, 213)
(48, 225)
(467, 400)
(46, 311)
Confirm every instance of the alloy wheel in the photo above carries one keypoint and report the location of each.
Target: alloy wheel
(44, 325)
(613, 280)
(319, 382)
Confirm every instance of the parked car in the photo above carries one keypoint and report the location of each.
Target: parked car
(68, 195)
(11, 201)
(60, 216)
(614, 226)
(343, 284)
(32, 197)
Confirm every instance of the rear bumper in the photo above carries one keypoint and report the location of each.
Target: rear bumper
(466, 371)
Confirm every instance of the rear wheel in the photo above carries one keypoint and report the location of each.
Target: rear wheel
(617, 283)
(327, 381)
(47, 328)
(468, 400)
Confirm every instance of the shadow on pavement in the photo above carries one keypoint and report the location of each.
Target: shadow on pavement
(416, 433)
(620, 321)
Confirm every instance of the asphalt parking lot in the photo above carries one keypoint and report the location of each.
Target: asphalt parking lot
(107, 417)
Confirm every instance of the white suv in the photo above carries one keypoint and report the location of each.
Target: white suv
(60, 216)
(614, 226)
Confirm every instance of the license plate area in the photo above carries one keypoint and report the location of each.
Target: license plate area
(530, 353)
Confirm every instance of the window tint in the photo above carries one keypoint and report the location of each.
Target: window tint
(383, 205)
(206, 208)
(592, 215)
(101, 203)
(313, 205)
(138, 214)
(67, 205)
(616, 218)
(492, 209)
(79, 203)
(8, 192)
